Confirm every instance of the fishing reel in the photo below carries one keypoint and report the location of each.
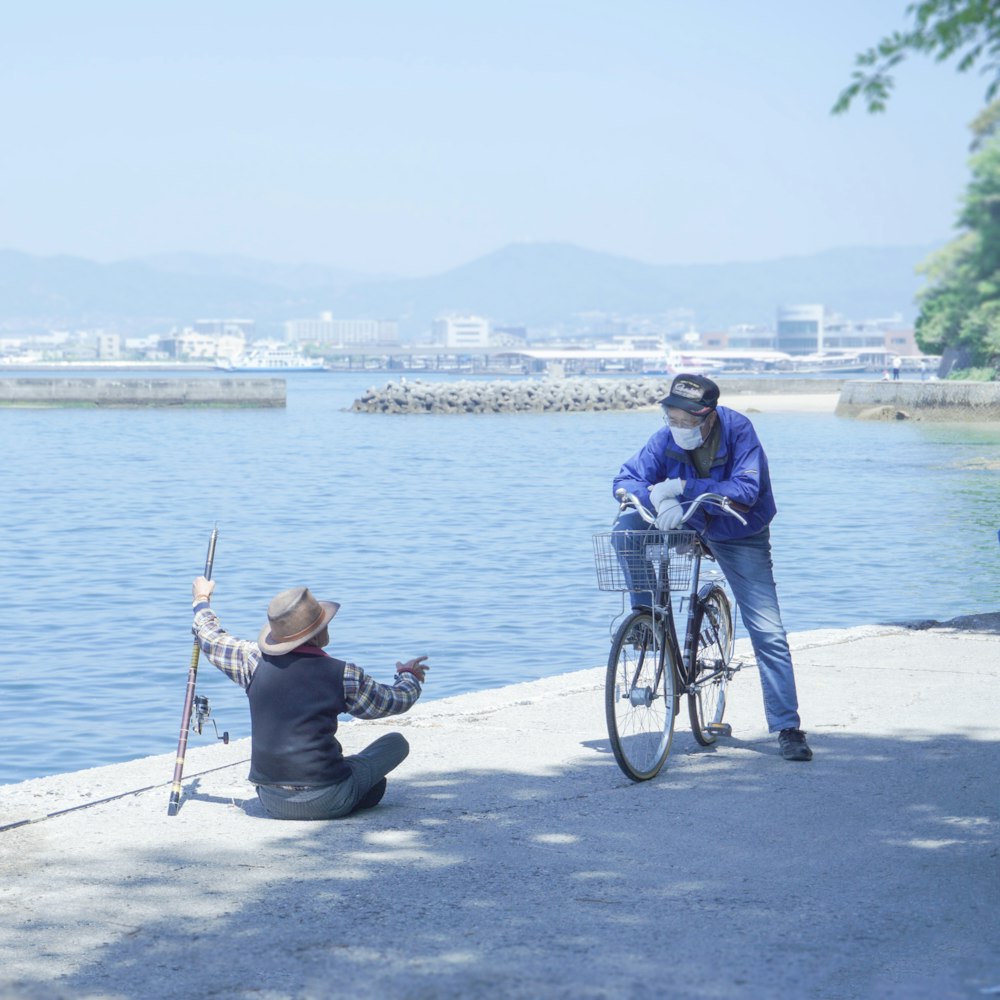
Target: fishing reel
(201, 712)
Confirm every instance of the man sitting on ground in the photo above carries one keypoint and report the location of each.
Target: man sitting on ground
(296, 692)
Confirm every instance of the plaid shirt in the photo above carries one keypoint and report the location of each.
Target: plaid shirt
(238, 659)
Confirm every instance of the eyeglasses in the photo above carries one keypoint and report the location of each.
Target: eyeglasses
(680, 419)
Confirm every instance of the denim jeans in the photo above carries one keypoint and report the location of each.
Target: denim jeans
(637, 570)
(746, 564)
(368, 768)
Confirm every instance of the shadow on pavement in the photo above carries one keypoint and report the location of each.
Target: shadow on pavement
(872, 872)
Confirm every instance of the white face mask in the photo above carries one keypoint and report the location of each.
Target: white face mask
(688, 438)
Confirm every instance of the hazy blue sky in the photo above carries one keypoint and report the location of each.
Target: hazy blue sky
(409, 137)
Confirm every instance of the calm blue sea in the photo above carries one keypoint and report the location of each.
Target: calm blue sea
(466, 538)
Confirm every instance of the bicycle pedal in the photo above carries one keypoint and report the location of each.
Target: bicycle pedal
(720, 729)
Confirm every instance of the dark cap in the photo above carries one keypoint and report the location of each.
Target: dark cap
(693, 393)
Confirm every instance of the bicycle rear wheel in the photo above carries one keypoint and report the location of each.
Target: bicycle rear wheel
(640, 697)
(713, 628)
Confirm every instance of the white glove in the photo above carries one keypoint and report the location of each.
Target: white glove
(669, 516)
(667, 490)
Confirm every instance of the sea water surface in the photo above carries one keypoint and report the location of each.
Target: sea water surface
(465, 538)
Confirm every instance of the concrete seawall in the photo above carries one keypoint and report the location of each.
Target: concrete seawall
(556, 395)
(144, 392)
(940, 401)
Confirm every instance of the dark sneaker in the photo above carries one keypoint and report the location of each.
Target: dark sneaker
(793, 746)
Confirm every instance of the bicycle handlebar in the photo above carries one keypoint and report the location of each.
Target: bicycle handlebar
(626, 500)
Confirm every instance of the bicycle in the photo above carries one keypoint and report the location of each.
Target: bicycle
(647, 669)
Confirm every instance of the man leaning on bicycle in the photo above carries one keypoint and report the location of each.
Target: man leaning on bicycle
(704, 447)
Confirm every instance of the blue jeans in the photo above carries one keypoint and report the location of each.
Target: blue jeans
(746, 563)
(368, 768)
(636, 568)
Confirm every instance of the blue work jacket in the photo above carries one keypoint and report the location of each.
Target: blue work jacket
(739, 471)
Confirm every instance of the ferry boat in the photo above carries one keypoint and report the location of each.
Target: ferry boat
(271, 359)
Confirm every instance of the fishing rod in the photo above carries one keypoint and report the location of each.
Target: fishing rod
(110, 798)
(199, 705)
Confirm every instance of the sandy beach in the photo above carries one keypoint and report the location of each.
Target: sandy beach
(776, 402)
(780, 402)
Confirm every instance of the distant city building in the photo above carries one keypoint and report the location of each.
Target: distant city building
(800, 329)
(108, 347)
(902, 341)
(148, 348)
(717, 340)
(637, 343)
(226, 327)
(847, 335)
(150, 342)
(508, 336)
(463, 333)
(812, 329)
(189, 343)
(751, 337)
(342, 332)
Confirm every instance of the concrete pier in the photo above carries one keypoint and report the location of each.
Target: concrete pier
(510, 858)
(939, 401)
(142, 392)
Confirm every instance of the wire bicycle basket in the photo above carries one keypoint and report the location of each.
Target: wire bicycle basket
(638, 561)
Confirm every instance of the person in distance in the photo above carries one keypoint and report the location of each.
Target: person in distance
(708, 448)
(296, 692)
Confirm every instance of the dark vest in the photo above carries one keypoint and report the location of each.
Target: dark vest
(294, 703)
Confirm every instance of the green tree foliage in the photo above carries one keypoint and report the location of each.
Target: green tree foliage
(960, 307)
(966, 29)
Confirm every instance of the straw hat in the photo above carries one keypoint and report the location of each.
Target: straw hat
(294, 616)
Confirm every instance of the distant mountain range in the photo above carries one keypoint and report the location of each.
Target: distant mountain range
(530, 284)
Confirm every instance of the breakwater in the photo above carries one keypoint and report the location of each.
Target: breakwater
(931, 401)
(142, 392)
(555, 395)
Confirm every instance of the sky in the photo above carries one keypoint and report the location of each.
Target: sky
(407, 138)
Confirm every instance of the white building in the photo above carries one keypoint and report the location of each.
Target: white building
(109, 346)
(342, 332)
(812, 329)
(189, 343)
(800, 329)
(462, 333)
(869, 336)
(750, 336)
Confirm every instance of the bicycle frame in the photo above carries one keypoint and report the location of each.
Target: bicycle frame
(663, 601)
(663, 607)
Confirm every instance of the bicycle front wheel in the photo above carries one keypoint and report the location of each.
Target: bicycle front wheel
(713, 628)
(640, 697)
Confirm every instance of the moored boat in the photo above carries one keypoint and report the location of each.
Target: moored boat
(271, 359)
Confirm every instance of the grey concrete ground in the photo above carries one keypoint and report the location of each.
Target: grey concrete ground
(511, 858)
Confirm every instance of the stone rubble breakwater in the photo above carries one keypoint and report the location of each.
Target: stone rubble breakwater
(507, 396)
(552, 395)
